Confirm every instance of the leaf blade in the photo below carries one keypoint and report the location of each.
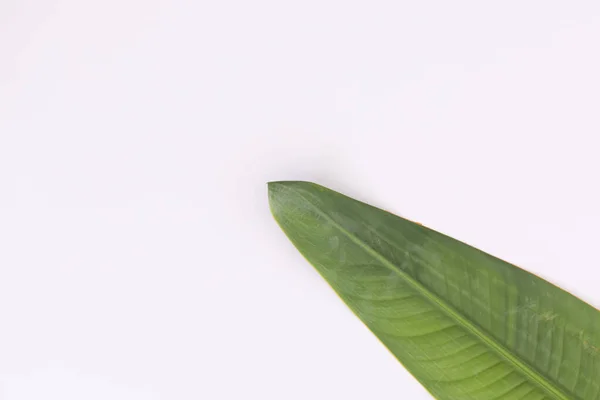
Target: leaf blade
(492, 303)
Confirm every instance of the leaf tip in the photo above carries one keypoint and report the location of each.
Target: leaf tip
(275, 189)
(284, 194)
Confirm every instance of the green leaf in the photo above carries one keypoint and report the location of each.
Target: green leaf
(467, 325)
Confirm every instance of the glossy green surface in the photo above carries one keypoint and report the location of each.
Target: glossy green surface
(467, 325)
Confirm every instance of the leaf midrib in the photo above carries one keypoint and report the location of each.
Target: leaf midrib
(519, 364)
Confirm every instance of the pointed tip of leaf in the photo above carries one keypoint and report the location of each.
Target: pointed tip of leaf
(283, 194)
(276, 189)
(276, 184)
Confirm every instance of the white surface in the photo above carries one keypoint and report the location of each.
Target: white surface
(138, 258)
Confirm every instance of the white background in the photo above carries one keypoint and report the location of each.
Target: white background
(138, 257)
